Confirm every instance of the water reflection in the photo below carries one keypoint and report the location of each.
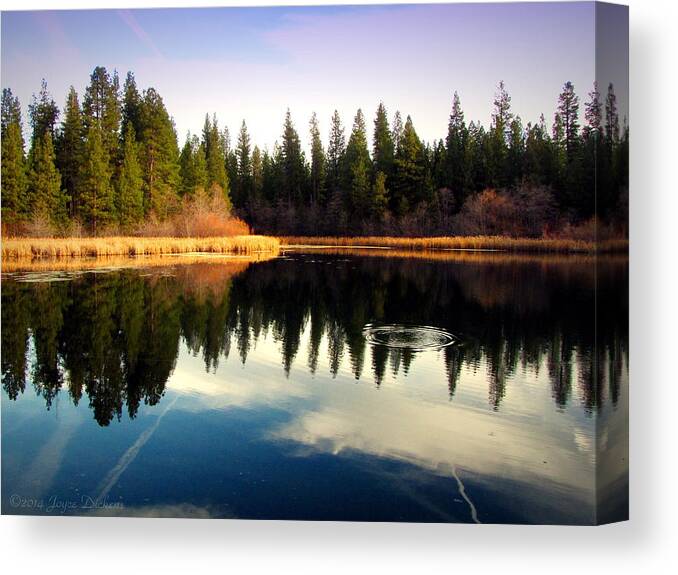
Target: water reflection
(321, 386)
(115, 336)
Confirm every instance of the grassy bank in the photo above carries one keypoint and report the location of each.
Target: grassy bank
(501, 243)
(63, 248)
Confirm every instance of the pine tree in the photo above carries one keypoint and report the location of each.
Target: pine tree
(14, 178)
(11, 110)
(159, 156)
(499, 135)
(46, 200)
(257, 174)
(397, 130)
(593, 112)
(379, 196)
(611, 117)
(244, 167)
(383, 153)
(192, 167)
(69, 149)
(131, 106)
(595, 162)
(357, 175)
(293, 162)
(101, 106)
(455, 150)
(130, 194)
(516, 152)
(539, 166)
(410, 172)
(568, 110)
(43, 113)
(97, 197)
(215, 145)
(318, 173)
(335, 154)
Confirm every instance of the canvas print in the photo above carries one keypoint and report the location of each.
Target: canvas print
(348, 263)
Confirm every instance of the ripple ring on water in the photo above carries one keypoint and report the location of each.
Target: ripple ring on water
(409, 337)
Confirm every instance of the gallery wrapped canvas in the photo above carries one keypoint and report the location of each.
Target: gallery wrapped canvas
(357, 263)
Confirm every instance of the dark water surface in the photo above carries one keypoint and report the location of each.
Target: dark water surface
(327, 386)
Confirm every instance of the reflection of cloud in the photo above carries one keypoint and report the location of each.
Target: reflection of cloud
(236, 386)
(47, 462)
(441, 436)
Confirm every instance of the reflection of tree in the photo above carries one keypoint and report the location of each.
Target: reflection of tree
(560, 370)
(15, 311)
(116, 336)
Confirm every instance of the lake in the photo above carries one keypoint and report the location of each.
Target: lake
(321, 385)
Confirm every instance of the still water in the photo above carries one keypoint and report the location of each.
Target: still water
(325, 386)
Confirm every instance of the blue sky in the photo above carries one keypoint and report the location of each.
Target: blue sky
(254, 63)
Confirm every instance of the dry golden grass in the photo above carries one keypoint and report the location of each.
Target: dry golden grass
(59, 248)
(135, 262)
(499, 243)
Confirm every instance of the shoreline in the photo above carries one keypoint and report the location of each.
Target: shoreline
(16, 249)
(457, 244)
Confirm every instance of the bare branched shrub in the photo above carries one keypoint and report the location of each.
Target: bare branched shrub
(39, 226)
(206, 213)
(528, 211)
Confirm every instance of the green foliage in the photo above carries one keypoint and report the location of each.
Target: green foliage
(410, 172)
(244, 168)
(379, 196)
(192, 167)
(456, 158)
(403, 185)
(43, 113)
(257, 174)
(318, 171)
(97, 197)
(14, 178)
(130, 194)
(499, 134)
(568, 111)
(215, 154)
(46, 199)
(131, 105)
(357, 168)
(101, 106)
(335, 154)
(159, 156)
(69, 149)
(294, 165)
(383, 149)
(11, 110)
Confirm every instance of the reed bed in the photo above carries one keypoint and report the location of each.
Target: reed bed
(498, 243)
(65, 248)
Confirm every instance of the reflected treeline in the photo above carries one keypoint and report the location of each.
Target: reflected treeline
(115, 336)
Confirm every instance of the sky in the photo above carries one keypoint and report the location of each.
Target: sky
(254, 63)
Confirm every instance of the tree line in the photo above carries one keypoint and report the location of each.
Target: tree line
(113, 162)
